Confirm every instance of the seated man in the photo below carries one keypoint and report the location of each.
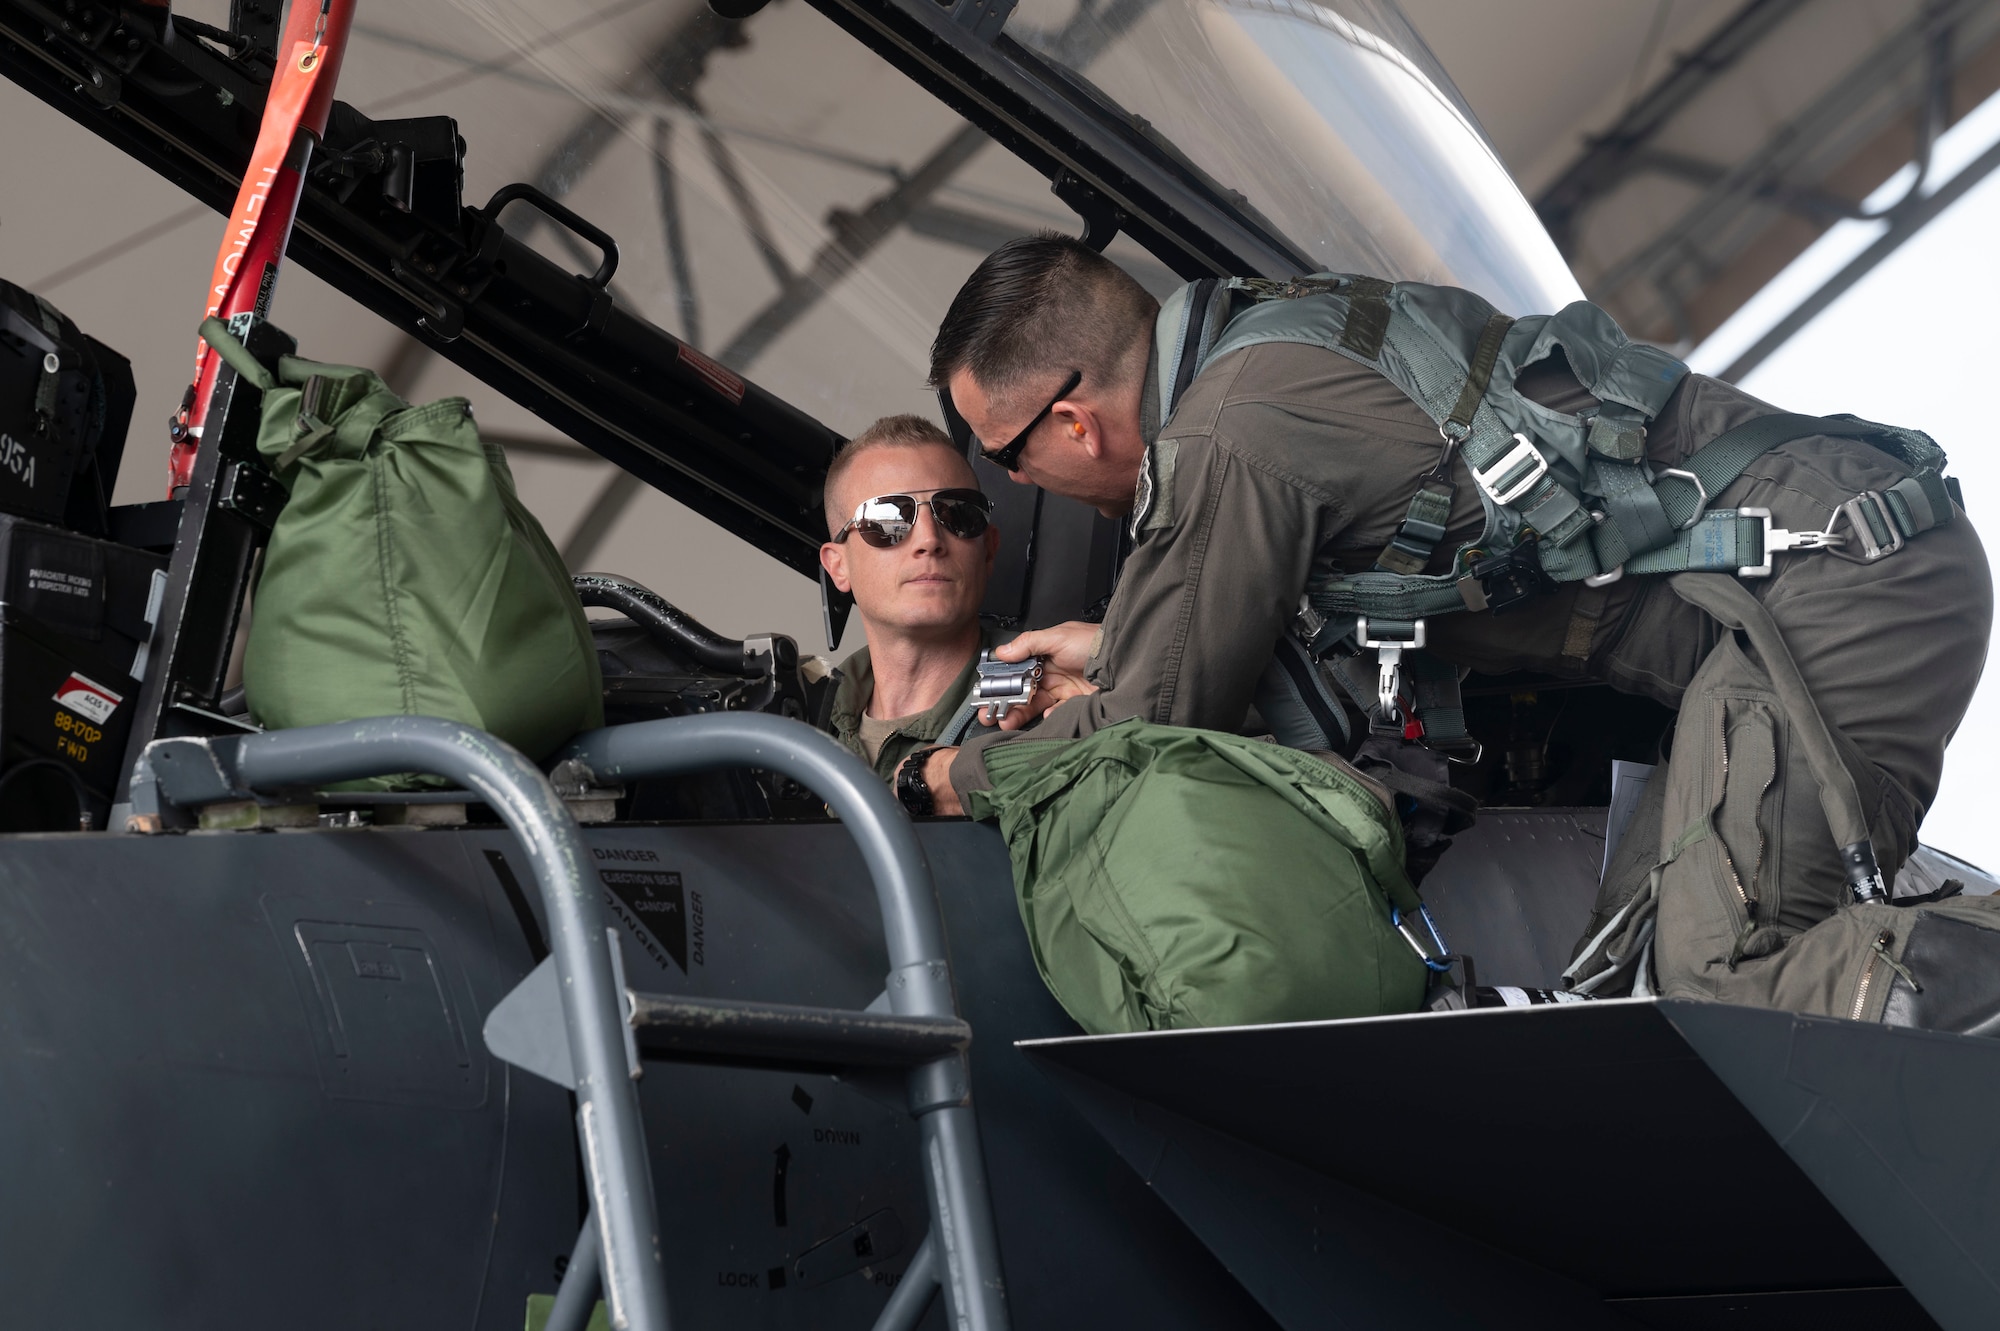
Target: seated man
(913, 544)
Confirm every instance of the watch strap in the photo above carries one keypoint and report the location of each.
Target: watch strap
(912, 789)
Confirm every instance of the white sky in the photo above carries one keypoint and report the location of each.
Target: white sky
(1913, 343)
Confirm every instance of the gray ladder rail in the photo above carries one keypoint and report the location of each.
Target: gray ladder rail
(174, 775)
(784, 1035)
(963, 1242)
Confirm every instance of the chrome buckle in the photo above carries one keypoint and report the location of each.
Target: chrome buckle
(1700, 495)
(1414, 642)
(1389, 664)
(1777, 538)
(1000, 686)
(1521, 454)
(1871, 549)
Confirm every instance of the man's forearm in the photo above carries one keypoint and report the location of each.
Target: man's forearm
(937, 775)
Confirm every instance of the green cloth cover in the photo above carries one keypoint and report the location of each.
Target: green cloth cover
(1172, 878)
(404, 576)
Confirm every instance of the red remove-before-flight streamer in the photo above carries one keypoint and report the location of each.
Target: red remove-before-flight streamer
(246, 267)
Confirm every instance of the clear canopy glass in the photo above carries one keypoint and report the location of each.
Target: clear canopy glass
(1332, 118)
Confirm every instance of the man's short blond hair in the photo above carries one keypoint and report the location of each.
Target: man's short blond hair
(904, 431)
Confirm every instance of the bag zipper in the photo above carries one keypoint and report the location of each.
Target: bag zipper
(1879, 954)
(1721, 848)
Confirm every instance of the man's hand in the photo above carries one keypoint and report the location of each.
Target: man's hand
(1065, 650)
(937, 775)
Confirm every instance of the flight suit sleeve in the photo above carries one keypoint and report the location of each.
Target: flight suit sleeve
(1213, 580)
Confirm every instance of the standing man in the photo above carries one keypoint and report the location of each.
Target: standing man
(1366, 470)
(913, 543)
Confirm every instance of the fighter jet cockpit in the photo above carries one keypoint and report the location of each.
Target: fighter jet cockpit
(429, 894)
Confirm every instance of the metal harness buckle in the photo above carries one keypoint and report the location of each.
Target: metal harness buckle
(1777, 538)
(1522, 454)
(1871, 549)
(1003, 685)
(1389, 664)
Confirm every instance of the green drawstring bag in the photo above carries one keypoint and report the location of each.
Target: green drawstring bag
(404, 576)
(1172, 878)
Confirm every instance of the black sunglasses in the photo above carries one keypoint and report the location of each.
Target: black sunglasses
(888, 520)
(1008, 455)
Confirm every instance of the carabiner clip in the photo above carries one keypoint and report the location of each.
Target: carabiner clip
(1438, 961)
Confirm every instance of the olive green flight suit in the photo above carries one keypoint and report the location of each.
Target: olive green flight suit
(854, 686)
(1285, 458)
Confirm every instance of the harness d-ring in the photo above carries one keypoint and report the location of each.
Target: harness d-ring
(1700, 493)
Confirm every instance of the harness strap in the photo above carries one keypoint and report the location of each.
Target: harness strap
(1439, 708)
(1367, 317)
(1409, 550)
(960, 725)
(1477, 376)
(1630, 535)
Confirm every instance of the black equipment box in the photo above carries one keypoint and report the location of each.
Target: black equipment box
(65, 403)
(73, 633)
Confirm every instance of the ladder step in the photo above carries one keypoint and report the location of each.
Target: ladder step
(784, 1035)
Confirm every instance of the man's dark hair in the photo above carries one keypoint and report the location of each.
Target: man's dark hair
(1039, 307)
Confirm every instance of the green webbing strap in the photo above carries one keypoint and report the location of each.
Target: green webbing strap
(1437, 702)
(1387, 597)
(1633, 524)
(1367, 317)
(1894, 515)
(1634, 517)
(1722, 459)
(1478, 375)
(1356, 675)
(1722, 542)
(1409, 550)
(1917, 503)
(235, 355)
(962, 721)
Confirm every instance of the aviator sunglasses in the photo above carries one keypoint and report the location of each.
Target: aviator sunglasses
(888, 520)
(1008, 455)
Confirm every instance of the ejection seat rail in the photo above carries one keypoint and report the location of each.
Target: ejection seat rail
(922, 1031)
(174, 776)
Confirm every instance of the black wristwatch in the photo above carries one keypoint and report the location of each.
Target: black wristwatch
(911, 788)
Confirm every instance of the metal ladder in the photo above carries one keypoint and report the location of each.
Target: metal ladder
(574, 1021)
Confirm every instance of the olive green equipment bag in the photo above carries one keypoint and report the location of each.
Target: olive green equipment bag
(403, 576)
(1172, 878)
(1733, 884)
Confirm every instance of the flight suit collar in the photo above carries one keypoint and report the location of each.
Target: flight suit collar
(856, 686)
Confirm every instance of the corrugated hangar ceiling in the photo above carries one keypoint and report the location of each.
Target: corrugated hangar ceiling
(795, 208)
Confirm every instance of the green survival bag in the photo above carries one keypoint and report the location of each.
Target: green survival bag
(404, 576)
(1172, 878)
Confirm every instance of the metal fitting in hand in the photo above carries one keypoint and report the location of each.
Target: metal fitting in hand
(1006, 684)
